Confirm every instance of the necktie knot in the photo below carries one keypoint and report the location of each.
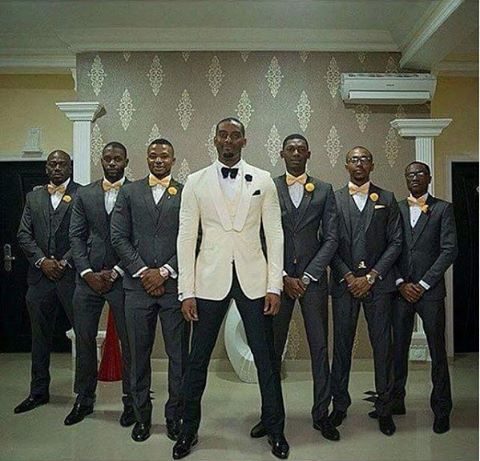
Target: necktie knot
(232, 172)
(302, 179)
(107, 185)
(418, 202)
(354, 189)
(154, 181)
(53, 189)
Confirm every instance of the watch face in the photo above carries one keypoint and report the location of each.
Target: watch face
(306, 280)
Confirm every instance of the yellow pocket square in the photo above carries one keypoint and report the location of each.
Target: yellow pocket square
(378, 207)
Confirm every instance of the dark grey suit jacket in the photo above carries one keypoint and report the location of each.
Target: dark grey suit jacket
(34, 231)
(90, 230)
(383, 236)
(140, 236)
(427, 255)
(310, 231)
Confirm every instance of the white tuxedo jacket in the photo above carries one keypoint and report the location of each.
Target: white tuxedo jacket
(208, 275)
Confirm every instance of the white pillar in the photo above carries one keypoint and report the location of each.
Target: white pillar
(82, 114)
(424, 130)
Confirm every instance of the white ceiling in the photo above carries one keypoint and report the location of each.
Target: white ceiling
(47, 34)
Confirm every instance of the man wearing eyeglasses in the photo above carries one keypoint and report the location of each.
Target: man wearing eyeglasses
(429, 248)
(370, 240)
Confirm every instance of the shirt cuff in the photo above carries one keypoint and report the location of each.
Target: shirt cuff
(120, 271)
(399, 281)
(424, 284)
(274, 291)
(285, 274)
(86, 271)
(311, 277)
(184, 296)
(39, 262)
(170, 269)
(139, 272)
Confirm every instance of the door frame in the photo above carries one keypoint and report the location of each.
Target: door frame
(448, 165)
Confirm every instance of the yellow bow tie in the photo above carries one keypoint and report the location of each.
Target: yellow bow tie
(420, 202)
(154, 181)
(354, 189)
(107, 185)
(53, 189)
(302, 179)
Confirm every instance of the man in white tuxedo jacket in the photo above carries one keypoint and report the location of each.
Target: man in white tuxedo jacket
(230, 201)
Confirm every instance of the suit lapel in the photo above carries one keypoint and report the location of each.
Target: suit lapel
(423, 219)
(45, 206)
(64, 205)
(405, 212)
(285, 199)
(149, 201)
(370, 206)
(165, 202)
(345, 210)
(98, 201)
(304, 204)
(245, 198)
(217, 197)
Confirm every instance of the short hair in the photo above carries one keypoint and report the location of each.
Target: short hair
(115, 145)
(358, 147)
(416, 162)
(61, 152)
(234, 120)
(294, 136)
(161, 141)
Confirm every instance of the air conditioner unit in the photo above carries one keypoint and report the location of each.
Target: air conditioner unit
(387, 88)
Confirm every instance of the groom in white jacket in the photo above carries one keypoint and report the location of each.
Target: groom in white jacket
(230, 201)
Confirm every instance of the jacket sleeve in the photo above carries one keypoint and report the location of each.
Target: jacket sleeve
(394, 240)
(448, 248)
(330, 241)
(79, 235)
(26, 235)
(121, 234)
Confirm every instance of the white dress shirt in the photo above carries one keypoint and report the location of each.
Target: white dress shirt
(359, 198)
(296, 193)
(159, 190)
(110, 196)
(57, 197)
(230, 186)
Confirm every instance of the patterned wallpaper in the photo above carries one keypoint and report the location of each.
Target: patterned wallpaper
(181, 96)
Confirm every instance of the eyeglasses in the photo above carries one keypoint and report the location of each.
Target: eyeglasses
(416, 174)
(363, 160)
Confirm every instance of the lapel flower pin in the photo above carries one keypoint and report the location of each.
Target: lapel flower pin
(373, 197)
(248, 177)
(172, 190)
(67, 198)
(309, 187)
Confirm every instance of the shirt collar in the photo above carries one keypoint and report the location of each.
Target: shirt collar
(169, 177)
(350, 183)
(424, 197)
(64, 183)
(121, 181)
(221, 165)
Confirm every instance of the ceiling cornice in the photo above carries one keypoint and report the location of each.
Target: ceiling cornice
(21, 63)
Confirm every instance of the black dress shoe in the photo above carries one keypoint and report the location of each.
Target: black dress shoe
(31, 402)
(174, 427)
(184, 445)
(77, 414)
(337, 417)
(258, 431)
(386, 425)
(326, 427)
(141, 432)
(397, 409)
(279, 444)
(128, 416)
(441, 424)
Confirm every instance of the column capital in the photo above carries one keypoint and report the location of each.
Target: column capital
(420, 127)
(80, 111)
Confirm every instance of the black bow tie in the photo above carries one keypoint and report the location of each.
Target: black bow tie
(232, 172)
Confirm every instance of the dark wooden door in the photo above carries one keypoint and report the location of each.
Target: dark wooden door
(465, 268)
(16, 180)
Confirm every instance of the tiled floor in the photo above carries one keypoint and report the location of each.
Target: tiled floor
(230, 408)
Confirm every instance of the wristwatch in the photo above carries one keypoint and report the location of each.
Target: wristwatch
(306, 279)
(114, 275)
(371, 278)
(164, 272)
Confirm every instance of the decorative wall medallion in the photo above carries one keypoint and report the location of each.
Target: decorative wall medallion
(184, 171)
(244, 109)
(96, 144)
(304, 55)
(400, 112)
(154, 134)
(333, 77)
(129, 174)
(244, 55)
(362, 56)
(211, 149)
(391, 147)
(97, 75)
(392, 67)
(215, 75)
(185, 55)
(303, 111)
(333, 146)
(274, 76)
(362, 114)
(125, 109)
(185, 109)
(155, 75)
(273, 145)
(126, 55)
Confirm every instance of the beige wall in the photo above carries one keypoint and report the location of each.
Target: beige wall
(28, 101)
(456, 98)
